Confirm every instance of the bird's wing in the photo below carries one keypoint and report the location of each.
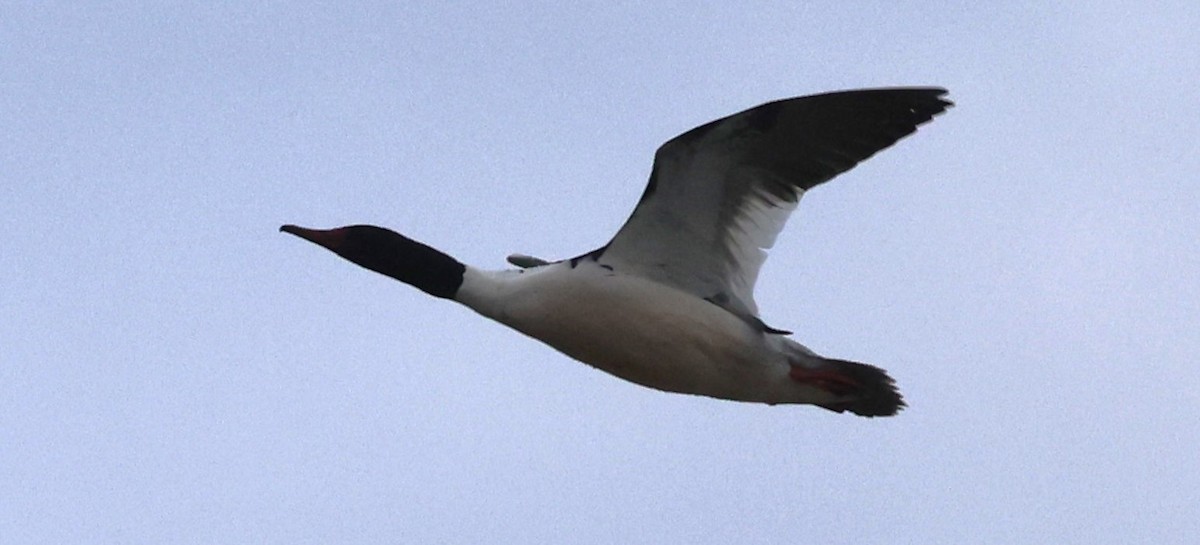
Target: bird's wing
(720, 193)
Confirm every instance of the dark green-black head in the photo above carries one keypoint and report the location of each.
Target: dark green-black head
(388, 252)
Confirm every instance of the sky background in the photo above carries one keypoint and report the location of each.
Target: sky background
(174, 370)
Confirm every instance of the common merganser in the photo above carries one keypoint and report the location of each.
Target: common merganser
(668, 303)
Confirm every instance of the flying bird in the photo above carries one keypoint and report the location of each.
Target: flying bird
(668, 303)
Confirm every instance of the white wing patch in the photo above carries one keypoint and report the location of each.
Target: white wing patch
(720, 194)
(753, 230)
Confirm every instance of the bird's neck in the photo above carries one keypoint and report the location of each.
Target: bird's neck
(423, 267)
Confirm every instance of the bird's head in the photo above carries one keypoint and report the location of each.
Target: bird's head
(390, 253)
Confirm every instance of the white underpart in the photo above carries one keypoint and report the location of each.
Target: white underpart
(639, 330)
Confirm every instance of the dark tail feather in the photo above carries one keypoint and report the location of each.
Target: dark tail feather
(875, 393)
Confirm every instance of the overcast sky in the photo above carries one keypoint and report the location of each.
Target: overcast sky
(174, 370)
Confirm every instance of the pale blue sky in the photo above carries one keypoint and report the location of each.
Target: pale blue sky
(173, 370)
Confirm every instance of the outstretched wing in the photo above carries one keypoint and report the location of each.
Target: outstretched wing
(720, 193)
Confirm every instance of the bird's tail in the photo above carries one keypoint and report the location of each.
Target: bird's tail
(862, 389)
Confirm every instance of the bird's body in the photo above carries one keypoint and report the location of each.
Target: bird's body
(668, 302)
(694, 347)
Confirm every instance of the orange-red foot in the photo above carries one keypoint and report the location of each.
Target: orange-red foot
(830, 381)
